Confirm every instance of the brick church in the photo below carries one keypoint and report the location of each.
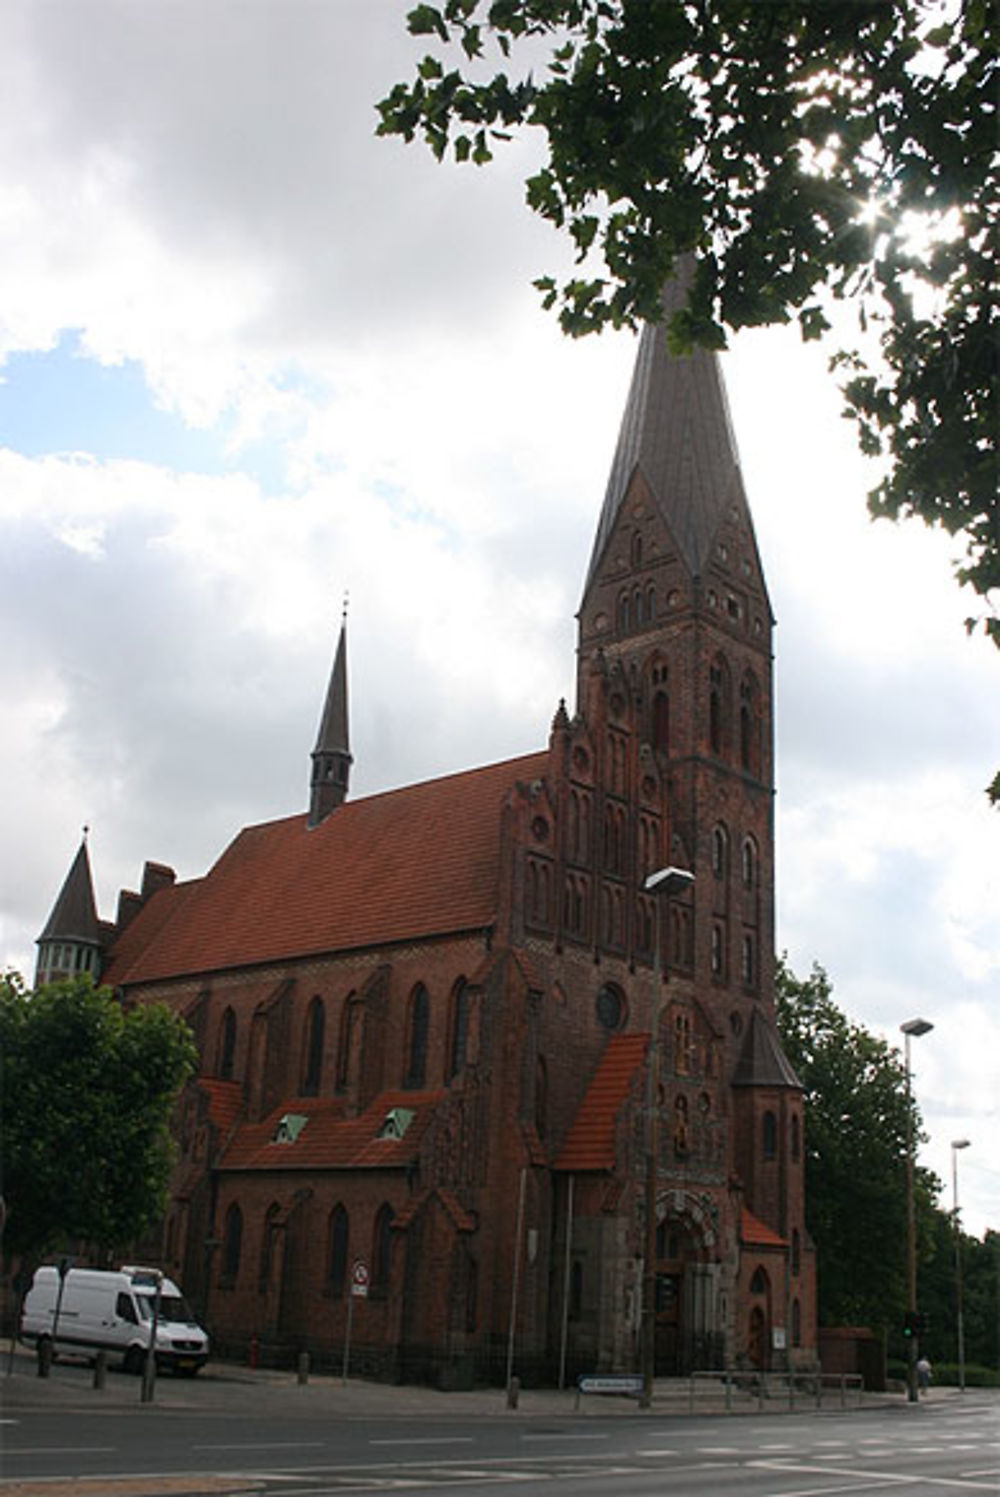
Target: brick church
(425, 1017)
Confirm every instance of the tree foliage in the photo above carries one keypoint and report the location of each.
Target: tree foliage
(87, 1091)
(856, 1130)
(798, 150)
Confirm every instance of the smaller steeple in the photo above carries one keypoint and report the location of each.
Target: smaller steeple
(331, 758)
(71, 941)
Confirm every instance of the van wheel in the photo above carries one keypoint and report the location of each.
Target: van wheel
(133, 1361)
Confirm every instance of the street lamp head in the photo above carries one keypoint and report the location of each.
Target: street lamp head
(916, 1027)
(668, 881)
(960, 1143)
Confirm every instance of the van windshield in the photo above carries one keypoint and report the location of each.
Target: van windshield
(172, 1307)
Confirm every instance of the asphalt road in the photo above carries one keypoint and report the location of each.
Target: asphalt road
(62, 1438)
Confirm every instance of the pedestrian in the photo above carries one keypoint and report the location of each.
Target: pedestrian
(924, 1371)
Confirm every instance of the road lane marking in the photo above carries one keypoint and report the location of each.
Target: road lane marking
(880, 1478)
(570, 1434)
(267, 1445)
(60, 1449)
(429, 1440)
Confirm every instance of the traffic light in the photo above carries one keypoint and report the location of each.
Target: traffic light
(911, 1324)
(923, 1323)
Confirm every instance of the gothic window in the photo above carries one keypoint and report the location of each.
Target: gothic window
(749, 724)
(796, 1139)
(350, 1016)
(718, 706)
(796, 1323)
(680, 1125)
(769, 1135)
(267, 1247)
(541, 1097)
(227, 1045)
(382, 1249)
(623, 613)
(758, 1284)
(748, 962)
(459, 1036)
(637, 610)
(749, 862)
(720, 851)
(636, 549)
(338, 1238)
(796, 1250)
(661, 720)
(315, 1030)
(651, 604)
(718, 950)
(232, 1243)
(682, 1044)
(417, 1031)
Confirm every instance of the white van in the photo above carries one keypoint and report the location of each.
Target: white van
(105, 1310)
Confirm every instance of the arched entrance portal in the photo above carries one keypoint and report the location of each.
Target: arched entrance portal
(687, 1331)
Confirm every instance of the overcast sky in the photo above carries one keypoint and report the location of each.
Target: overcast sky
(254, 358)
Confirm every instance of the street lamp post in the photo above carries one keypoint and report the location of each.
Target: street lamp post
(664, 881)
(958, 1143)
(913, 1028)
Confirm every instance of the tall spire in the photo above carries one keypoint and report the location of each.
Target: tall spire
(677, 431)
(71, 940)
(331, 758)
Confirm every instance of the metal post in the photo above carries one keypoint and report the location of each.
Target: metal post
(915, 1027)
(515, 1286)
(149, 1368)
(347, 1337)
(567, 1268)
(958, 1143)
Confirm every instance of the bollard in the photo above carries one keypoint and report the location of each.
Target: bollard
(513, 1392)
(147, 1388)
(100, 1369)
(44, 1356)
(303, 1368)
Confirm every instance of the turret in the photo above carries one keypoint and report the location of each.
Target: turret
(71, 941)
(331, 758)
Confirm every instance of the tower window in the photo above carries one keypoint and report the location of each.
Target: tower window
(419, 1025)
(636, 549)
(749, 861)
(749, 972)
(315, 1032)
(720, 851)
(610, 1007)
(769, 1135)
(718, 951)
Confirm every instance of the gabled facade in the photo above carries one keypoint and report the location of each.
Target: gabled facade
(424, 1017)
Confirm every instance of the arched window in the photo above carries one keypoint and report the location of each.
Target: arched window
(749, 862)
(623, 613)
(719, 690)
(796, 1250)
(749, 960)
(267, 1247)
(541, 1096)
(718, 950)
(636, 548)
(749, 724)
(769, 1135)
(459, 1036)
(720, 851)
(315, 1030)
(227, 1045)
(682, 1044)
(661, 720)
(417, 1030)
(796, 1138)
(382, 1249)
(796, 1323)
(758, 1284)
(651, 604)
(637, 612)
(338, 1242)
(349, 1016)
(232, 1244)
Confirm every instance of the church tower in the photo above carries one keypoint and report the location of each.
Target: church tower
(675, 608)
(331, 758)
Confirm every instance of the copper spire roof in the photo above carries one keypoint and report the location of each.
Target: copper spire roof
(332, 737)
(676, 429)
(762, 1061)
(74, 914)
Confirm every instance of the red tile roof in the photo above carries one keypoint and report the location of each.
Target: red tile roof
(754, 1232)
(225, 1103)
(331, 1140)
(410, 863)
(591, 1141)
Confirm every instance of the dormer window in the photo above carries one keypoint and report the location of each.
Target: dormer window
(396, 1122)
(289, 1127)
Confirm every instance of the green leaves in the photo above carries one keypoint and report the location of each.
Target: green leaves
(762, 134)
(87, 1095)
